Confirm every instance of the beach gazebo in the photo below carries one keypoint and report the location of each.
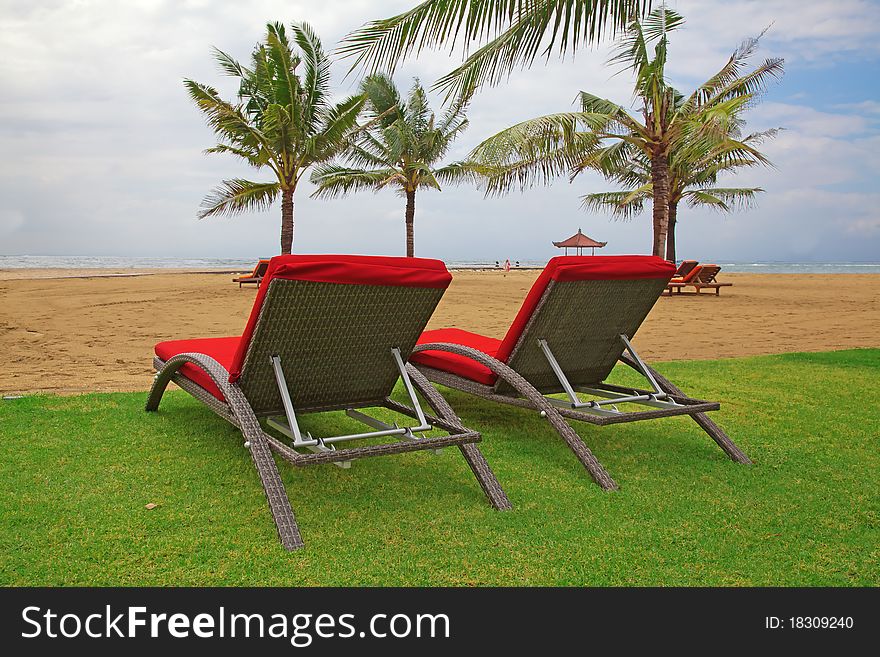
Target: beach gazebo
(579, 241)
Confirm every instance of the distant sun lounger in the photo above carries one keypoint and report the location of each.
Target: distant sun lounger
(326, 333)
(702, 276)
(255, 276)
(684, 269)
(574, 326)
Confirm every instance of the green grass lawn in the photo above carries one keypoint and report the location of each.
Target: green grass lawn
(77, 472)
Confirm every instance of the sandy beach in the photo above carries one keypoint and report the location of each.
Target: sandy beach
(62, 331)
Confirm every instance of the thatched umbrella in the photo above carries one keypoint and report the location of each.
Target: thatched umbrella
(579, 241)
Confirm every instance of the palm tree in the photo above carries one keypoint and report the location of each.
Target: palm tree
(693, 177)
(281, 121)
(401, 148)
(515, 32)
(542, 148)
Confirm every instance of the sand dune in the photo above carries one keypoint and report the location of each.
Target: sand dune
(71, 335)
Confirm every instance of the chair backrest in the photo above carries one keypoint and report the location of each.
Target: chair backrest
(685, 268)
(707, 274)
(581, 305)
(261, 269)
(333, 321)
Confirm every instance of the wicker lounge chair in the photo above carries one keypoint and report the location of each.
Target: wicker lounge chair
(702, 276)
(255, 276)
(325, 333)
(574, 326)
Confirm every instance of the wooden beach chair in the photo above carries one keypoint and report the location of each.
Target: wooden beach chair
(325, 333)
(575, 324)
(255, 276)
(703, 276)
(684, 269)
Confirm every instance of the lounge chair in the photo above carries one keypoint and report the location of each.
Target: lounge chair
(684, 270)
(575, 324)
(255, 276)
(702, 276)
(690, 268)
(325, 333)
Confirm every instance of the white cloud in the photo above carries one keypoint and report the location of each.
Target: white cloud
(814, 32)
(102, 149)
(868, 107)
(807, 121)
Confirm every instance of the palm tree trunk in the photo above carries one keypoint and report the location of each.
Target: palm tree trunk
(286, 221)
(410, 216)
(670, 233)
(660, 183)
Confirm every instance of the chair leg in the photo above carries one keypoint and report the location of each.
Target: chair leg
(472, 454)
(160, 383)
(285, 522)
(486, 478)
(704, 421)
(264, 462)
(580, 449)
(276, 495)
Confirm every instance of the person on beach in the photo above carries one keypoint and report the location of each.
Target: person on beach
(506, 266)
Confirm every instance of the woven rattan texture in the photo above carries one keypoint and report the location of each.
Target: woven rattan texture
(689, 406)
(238, 412)
(334, 341)
(285, 522)
(522, 387)
(582, 322)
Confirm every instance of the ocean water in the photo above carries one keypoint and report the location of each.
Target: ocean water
(121, 262)
(241, 264)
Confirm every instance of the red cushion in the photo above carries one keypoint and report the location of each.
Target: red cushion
(220, 349)
(579, 268)
(343, 269)
(461, 365)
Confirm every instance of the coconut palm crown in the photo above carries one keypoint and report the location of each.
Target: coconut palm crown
(401, 148)
(283, 120)
(540, 149)
(693, 178)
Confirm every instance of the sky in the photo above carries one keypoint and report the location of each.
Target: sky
(101, 150)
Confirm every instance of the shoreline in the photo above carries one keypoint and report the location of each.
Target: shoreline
(65, 273)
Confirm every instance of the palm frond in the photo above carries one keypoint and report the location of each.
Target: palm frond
(227, 120)
(383, 98)
(729, 81)
(229, 66)
(316, 85)
(339, 128)
(364, 153)
(517, 32)
(334, 180)
(539, 150)
(723, 199)
(237, 195)
(285, 88)
(623, 205)
(256, 158)
(619, 120)
(460, 172)
(633, 46)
